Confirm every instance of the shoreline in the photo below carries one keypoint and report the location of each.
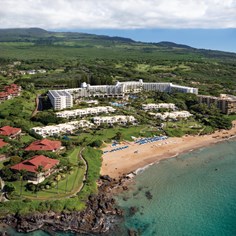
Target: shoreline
(137, 157)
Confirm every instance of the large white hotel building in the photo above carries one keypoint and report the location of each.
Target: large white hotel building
(62, 99)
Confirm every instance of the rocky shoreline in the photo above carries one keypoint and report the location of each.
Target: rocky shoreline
(101, 215)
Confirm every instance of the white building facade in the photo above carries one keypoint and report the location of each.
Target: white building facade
(84, 112)
(110, 120)
(119, 90)
(173, 115)
(154, 106)
(60, 99)
(65, 128)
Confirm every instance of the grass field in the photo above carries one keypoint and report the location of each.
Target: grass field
(107, 134)
(182, 127)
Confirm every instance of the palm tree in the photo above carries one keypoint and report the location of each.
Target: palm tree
(67, 175)
(22, 174)
(58, 177)
(39, 170)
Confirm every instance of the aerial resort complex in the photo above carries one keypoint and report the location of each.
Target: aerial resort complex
(62, 99)
(88, 122)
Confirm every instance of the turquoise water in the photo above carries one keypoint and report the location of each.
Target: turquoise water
(194, 194)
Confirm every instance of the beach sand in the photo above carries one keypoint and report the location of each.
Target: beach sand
(116, 164)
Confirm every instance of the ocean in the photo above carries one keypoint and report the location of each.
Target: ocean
(192, 194)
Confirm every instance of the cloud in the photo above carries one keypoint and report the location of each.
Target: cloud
(118, 14)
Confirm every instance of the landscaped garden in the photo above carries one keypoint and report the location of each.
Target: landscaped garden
(64, 182)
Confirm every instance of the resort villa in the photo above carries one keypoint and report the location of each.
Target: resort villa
(3, 144)
(65, 128)
(10, 132)
(10, 91)
(62, 99)
(32, 168)
(85, 112)
(44, 145)
(153, 106)
(113, 119)
(172, 115)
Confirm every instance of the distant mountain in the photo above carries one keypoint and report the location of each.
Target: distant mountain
(19, 34)
(173, 45)
(38, 36)
(34, 34)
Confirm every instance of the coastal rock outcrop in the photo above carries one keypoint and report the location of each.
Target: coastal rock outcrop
(100, 215)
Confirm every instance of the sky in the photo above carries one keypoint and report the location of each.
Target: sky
(192, 22)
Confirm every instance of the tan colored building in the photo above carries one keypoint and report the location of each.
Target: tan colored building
(226, 103)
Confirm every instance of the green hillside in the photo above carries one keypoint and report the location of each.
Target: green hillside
(71, 58)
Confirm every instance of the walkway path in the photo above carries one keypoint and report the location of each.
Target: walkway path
(2, 194)
(36, 106)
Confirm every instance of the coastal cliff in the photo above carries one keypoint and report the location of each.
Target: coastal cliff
(100, 216)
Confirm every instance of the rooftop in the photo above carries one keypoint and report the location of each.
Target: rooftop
(8, 130)
(2, 143)
(33, 164)
(44, 144)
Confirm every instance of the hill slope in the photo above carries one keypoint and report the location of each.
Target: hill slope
(71, 58)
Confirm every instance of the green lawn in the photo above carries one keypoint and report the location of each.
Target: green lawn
(182, 127)
(26, 138)
(231, 117)
(74, 181)
(94, 160)
(2, 163)
(108, 134)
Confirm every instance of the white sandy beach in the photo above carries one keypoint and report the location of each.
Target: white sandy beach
(136, 156)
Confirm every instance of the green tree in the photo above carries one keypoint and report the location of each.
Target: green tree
(39, 170)
(96, 143)
(118, 136)
(23, 173)
(9, 188)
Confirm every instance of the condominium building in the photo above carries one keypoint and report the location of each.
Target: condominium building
(226, 103)
(65, 128)
(60, 99)
(119, 90)
(86, 111)
(113, 119)
(153, 106)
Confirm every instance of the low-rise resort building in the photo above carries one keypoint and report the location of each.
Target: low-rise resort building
(226, 103)
(10, 91)
(10, 132)
(153, 106)
(172, 115)
(65, 128)
(110, 120)
(32, 167)
(85, 112)
(2, 143)
(44, 145)
(62, 99)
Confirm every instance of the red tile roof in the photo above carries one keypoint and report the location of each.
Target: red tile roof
(12, 89)
(44, 144)
(3, 94)
(33, 164)
(8, 130)
(2, 143)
